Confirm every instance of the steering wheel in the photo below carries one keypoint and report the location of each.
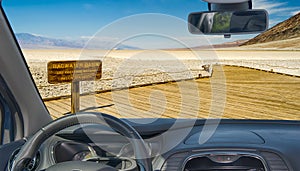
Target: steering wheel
(31, 147)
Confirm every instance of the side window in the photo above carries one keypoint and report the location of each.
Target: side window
(11, 124)
(7, 129)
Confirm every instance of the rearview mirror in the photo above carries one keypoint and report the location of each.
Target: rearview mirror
(228, 22)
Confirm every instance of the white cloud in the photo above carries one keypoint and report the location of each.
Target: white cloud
(275, 7)
(278, 11)
(274, 21)
(295, 12)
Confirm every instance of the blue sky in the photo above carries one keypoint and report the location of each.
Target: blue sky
(83, 18)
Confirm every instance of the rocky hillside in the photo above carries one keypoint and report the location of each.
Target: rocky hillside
(288, 29)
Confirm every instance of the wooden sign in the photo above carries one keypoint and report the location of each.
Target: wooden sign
(74, 71)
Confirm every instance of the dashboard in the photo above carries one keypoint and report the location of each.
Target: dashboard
(235, 145)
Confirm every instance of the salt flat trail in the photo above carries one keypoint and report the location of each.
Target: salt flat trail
(221, 54)
(248, 93)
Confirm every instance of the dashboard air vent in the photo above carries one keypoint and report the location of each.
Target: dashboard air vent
(32, 165)
(174, 162)
(224, 162)
(274, 161)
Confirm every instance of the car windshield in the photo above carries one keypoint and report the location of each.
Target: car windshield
(137, 59)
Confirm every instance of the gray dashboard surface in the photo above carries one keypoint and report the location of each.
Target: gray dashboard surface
(268, 138)
(281, 138)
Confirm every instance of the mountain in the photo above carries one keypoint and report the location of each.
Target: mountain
(224, 45)
(286, 30)
(233, 44)
(31, 41)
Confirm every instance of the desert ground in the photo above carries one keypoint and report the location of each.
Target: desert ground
(270, 90)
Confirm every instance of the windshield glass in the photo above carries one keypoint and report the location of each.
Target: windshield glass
(137, 59)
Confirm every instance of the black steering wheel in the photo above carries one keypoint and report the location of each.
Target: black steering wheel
(31, 147)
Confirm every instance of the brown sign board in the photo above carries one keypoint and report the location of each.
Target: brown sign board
(74, 71)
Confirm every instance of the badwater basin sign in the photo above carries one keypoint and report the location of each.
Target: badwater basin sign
(74, 71)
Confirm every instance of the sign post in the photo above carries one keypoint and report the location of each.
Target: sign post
(75, 94)
(73, 72)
